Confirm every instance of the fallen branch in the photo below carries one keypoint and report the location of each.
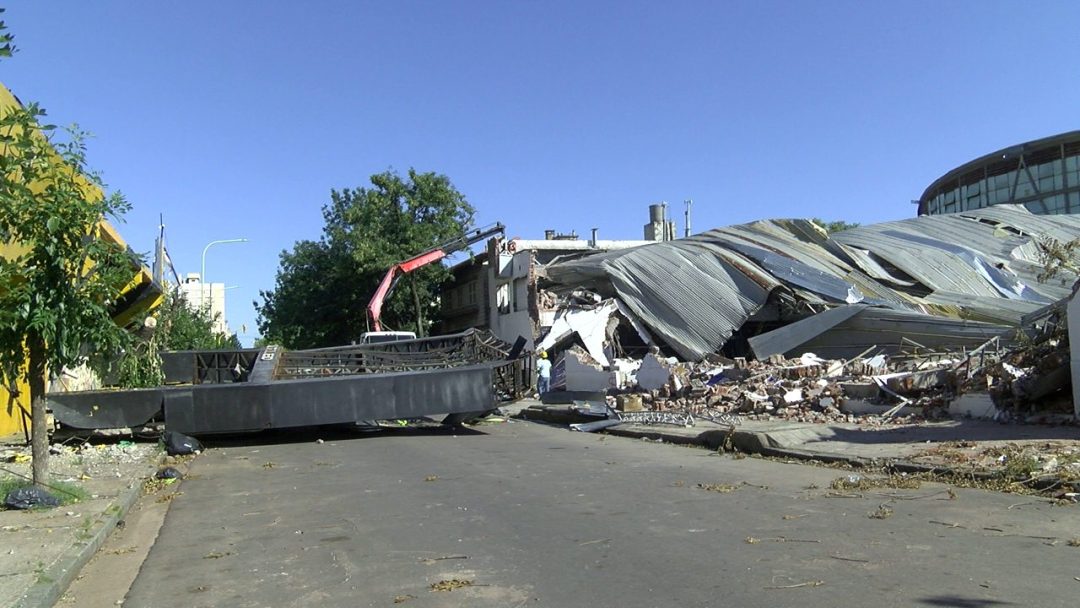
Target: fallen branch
(796, 586)
(947, 524)
(850, 559)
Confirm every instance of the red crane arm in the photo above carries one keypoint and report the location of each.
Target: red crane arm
(391, 279)
(386, 286)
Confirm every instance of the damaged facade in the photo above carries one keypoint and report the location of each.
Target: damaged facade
(777, 288)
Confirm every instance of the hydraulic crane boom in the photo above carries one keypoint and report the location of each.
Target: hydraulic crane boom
(386, 287)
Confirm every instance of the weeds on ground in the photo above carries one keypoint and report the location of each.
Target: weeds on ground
(860, 482)
(153, 485)
(882, 512)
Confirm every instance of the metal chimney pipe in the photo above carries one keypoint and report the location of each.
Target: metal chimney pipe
(593, 242)
(688, 203)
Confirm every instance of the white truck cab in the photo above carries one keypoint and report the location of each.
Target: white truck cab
(376, 337)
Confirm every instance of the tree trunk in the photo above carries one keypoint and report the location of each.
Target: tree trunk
(39, 431)
(419, 311)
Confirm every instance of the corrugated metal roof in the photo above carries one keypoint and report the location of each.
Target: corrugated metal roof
(847, 331)
(694, 293)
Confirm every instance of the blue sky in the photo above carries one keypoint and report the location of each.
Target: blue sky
(236, 119)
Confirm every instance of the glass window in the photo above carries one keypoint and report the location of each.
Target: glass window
(1024, 187)
(1036, 207)
(1073, 205)
(1055, 204)
(1072, 178)
(1072, 163)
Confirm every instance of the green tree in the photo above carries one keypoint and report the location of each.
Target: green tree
(837, 226)
(176, 326)
(61, 274)
(184, 327)
(7, 41)
(323, 287)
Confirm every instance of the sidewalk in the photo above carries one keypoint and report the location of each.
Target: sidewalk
(42, 551)
(951, 446)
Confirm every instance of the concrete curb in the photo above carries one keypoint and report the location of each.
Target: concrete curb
(54, 581)
(752, 442)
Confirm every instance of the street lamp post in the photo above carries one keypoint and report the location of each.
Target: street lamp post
(202, 274)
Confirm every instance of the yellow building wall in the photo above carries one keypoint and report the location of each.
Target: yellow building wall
(15, 410)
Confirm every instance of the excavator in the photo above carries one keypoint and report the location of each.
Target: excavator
(394, 274)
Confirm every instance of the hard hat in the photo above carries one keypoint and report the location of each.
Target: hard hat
(543, 354)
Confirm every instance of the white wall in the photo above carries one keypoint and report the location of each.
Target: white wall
(199, 294)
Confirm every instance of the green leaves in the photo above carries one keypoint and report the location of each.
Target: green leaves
(59, 276)
(7, 41)
(322, 288)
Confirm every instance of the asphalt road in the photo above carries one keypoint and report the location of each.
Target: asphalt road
(538, 516)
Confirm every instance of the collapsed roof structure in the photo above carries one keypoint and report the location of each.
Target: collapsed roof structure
(939, 281)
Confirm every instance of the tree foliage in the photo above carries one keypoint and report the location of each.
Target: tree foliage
(7, 41)
(835, 226)
(323, 287)
(1059, 260)
(184, 327)
(61, 273)
(177, 325)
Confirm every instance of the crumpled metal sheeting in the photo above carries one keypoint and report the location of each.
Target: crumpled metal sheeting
(1062, 227)
(978, 308)
(934, 268)
(846, 331)
(924, 249)
(690, 297)
(695, 292)
(868, 262)
(797, 239)
(800, 254)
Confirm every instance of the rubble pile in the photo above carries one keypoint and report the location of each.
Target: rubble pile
(872, 389)
(1004, 379)
(807, 389)
(1027, 381)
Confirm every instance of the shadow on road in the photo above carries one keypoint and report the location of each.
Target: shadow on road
(331, 433)
(961, 602)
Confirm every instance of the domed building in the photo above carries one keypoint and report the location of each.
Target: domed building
(1043, 175)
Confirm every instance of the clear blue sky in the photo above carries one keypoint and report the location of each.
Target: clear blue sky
(236, 119)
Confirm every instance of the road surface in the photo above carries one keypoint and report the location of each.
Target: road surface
(523, 514)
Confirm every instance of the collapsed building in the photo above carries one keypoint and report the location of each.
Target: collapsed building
(777, 288)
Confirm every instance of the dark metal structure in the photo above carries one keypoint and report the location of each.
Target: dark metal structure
(1043, 175)
(256, 389)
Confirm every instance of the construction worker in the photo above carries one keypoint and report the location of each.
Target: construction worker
(543, 372)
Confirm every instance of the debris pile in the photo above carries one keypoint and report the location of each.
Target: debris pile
(1028, 382)
(82, 461)
(872, 388)
(905, 322)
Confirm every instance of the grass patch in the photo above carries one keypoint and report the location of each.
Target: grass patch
(66, 491)
(1020, 466)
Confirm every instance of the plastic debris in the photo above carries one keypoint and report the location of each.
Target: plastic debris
(169, 473)
(178, 444)
(29, 498)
